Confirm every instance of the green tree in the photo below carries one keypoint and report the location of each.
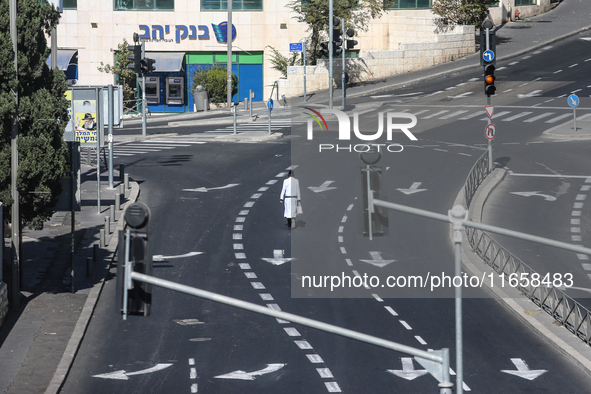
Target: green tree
(315, 13)
(125, 76)
(462, 12)
(41, 104)
(281, 62)
(215, 81)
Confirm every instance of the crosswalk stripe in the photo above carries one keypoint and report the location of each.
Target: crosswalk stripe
(179, 143)
(453, 114)
(520, 115)
(436, 114)
(583, 116)
(544, 115)
(473, 115)
(556, 119)
(498, 115)
(420, 112)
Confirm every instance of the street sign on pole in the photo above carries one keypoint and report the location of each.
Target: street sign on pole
(489, 132)
(270, 105)
(488, 55)
(296, 47)
(573, 101)
(490, 110)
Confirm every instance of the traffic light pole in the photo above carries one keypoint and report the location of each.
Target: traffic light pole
(15, 219)
(343, 73)
(330, 52)
(490, 155)
(143, 93)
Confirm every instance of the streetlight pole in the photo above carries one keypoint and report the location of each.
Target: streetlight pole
(15, 215)
(229, 61)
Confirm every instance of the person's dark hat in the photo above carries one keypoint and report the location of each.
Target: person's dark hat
(88, 116)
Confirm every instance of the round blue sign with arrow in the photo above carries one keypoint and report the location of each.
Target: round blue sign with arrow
(573, 100)
(270, 104)
(488, 56)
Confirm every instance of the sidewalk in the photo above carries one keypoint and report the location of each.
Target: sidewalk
(38, 341)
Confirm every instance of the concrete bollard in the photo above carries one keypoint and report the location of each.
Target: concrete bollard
(117, 202)
(122, 191)
(107, 225)
(205, 105)
(102, 238)
(112, 213)
(89, 267)
(245, 104)
(121, 171)
(126, 181)
(95, 252)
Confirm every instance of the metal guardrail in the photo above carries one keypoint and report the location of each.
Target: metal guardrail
(563, 308)
(477, 174)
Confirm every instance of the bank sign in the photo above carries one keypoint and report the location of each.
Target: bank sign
(181, 32)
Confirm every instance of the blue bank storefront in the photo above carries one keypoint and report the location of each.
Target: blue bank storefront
(169, 87)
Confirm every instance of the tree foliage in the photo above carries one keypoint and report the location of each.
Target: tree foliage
(41, 104)
(315, 13)
(215, 81)
(281, 62)
(462, 12)
(125, 76)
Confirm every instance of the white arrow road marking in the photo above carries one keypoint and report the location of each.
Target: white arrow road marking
(378, 260)
(277, 258)
(206, 189)
(322, 188)
(251, 375)
(529, 194)
(414, 188)
(123, 375)
(461, 95)
(408, 371)
(523, 370)
(530, 94)
(159, 257)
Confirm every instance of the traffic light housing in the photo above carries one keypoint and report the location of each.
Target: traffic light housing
(139, 259)
(351, 43)
(324, 49)
(489, 80)
(135, 58)
(151, 67)
(337, 39)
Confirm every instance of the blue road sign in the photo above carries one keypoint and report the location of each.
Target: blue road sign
(573, 100)
(488, 56)
(270, 104)
(296, 47)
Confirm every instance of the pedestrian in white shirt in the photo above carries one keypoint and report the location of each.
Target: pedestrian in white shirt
(290, 197)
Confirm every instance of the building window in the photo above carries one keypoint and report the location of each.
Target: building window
(237, 5)
(410, 4)
(526, 2)
(70, 4)
(148, 5)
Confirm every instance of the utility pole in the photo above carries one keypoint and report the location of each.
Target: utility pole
(15, 215)
(144, 103)
(330, 52)
(229, 60)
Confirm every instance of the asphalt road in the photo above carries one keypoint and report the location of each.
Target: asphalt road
(236, 227)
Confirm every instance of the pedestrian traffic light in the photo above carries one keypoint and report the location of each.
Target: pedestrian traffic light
(337, 39)
(324, 49)
(135, 58)
(134, 255)
(351, 43)
(489, 80)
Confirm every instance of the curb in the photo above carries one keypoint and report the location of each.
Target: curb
(542, 324)
(65, 364)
